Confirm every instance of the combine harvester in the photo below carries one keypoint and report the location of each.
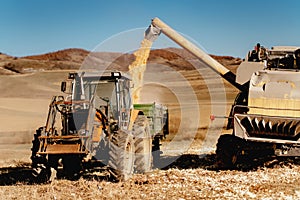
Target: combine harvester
(265, 116)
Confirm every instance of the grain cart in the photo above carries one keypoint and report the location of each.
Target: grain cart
(158, 116)
(95, 120)
(265, 115)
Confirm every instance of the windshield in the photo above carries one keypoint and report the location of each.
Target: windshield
(113, 96)
(102, 91)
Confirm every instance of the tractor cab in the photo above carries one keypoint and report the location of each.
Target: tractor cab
(108, 94)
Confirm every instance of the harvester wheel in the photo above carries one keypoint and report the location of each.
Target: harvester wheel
(228, 149)
(143, 145)
(121, 155)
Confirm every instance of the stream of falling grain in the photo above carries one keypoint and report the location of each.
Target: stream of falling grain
(138, 67)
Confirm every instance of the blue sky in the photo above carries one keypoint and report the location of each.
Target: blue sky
(230, 27)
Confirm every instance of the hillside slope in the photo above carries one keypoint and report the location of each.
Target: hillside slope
(74, 58)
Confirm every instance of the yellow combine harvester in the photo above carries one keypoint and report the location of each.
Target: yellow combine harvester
(265, 116)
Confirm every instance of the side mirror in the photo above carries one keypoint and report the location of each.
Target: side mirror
(63, 86)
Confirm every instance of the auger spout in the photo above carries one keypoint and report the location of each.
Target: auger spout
(158, 26)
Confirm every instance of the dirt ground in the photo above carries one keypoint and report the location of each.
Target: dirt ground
(187, 170)
(189, 177)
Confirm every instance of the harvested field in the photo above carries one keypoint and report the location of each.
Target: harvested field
(190, 177)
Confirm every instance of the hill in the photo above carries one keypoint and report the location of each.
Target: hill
(74, 58)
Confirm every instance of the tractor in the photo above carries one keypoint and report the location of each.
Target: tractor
(95, 120)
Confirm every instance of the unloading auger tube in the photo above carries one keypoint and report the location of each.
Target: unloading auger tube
(158, 26)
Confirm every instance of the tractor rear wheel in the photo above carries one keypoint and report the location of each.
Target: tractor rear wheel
(121, 155)
(143, 145)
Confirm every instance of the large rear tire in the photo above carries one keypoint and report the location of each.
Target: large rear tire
(121, 155)
(143, 145)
